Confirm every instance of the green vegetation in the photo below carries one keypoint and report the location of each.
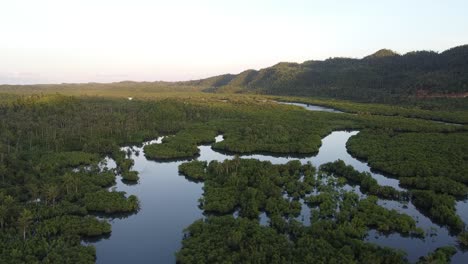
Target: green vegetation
(340, 220)
(433, 163)
(433, 81)
(124, 166)
(440, 208)
(50, 181)
(228, 240)
(385, 221)
(225, 239)
(182, 145)
(125, 89)
(388, 78)
(73, 225)
(68, 159)
(130, 176)
(367, 184)
(440, 255)
(414, 154)
(463, 239)
(251, 186)
(110, 202)
(437, 184)
(284, 135)
(447, 110)
(50, 224)
(195, 170)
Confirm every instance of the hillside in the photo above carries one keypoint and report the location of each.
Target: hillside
(382, 76)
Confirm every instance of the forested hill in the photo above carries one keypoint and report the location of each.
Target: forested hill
(382, 76)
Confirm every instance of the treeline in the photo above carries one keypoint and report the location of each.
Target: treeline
(60, 123)
(415, 155)
(448, 110)
(110, 202)
(437, 184)
(374, 78)
(426, 78)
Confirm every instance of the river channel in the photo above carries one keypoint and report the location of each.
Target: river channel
(169, 203)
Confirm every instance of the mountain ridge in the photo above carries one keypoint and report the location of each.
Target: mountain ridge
(382, 53)
(384, 77)
(383, 74)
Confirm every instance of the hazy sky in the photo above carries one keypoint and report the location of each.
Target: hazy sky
(47, 41)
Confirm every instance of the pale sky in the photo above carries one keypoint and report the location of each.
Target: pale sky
(54, 41)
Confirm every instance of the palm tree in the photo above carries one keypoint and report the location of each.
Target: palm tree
(25, 220)
(71, 182)
(51, 192)
(3, 215)
(34, 191)
(236, 161)
(10, 208)
(68, 182)
(3, 172)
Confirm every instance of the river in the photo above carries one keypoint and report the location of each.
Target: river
(169, 203)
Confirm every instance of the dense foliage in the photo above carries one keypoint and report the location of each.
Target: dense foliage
(195, 170)
(339, 219)
(110, 202)
(252, 186)
(446, 110)
(182, 145)
(433, 165)
(425, 78)
(73, 225)
(414, 154)
(367, 184)
(440, 255)
(228, 240)
(436, 184)
(463, 239)
(440, 208)
(51, 180)
(373, 78)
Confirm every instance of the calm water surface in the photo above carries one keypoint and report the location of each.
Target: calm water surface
(169, 203)
(313, 107)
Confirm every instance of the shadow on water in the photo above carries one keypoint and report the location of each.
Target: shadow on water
(169, 203)
(95, 239)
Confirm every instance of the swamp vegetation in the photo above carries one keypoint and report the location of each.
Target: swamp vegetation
(53, 183)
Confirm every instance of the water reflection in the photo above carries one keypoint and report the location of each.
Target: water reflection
(169, 203)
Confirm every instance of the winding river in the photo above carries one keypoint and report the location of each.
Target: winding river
(169, 203)
(311, 107)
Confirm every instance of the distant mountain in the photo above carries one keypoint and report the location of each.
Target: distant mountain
(382, 53)
(377, 77)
